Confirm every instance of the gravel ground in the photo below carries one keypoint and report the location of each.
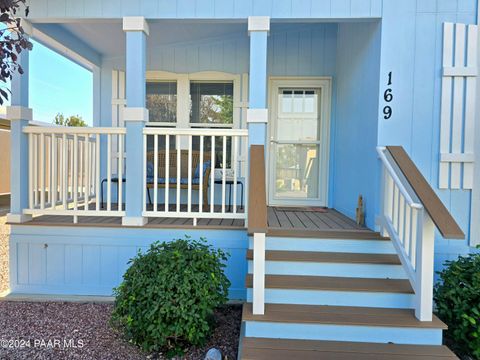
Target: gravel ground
(87, 327)
(4, 233)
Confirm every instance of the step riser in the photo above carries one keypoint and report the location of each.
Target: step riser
(337, 298)
(328, 245)
(375, 334)
(380, 271)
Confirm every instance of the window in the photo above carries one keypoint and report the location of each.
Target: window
(162, 101)
(211, 103)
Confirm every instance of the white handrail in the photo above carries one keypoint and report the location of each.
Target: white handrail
(411, 230)
(393, 174)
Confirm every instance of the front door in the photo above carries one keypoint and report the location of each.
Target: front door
(299, 142)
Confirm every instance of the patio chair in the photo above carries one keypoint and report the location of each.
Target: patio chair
(172, 181)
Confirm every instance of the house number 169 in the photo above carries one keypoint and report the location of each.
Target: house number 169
(388, 97)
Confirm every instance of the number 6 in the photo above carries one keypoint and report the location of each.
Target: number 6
(388, 96)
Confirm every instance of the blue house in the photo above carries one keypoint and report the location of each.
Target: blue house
(328, 145)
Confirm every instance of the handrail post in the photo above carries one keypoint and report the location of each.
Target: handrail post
(259, 273)
(424, 267)
(257, 224)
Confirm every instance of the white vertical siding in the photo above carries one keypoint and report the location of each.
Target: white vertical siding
(458, 106)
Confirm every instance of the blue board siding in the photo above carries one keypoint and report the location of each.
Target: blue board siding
(414, 55)
(92, 261)
(355, 134)
(201, 9)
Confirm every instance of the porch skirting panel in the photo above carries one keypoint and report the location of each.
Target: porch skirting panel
(92, 261)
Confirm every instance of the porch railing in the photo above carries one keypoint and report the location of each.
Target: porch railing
(64, 167)
(409, 210)
(177, 159)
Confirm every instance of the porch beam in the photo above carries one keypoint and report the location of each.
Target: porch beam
(19, 115)
(257, 115)
(135, 117)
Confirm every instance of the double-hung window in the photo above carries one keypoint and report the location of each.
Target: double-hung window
(201, 100)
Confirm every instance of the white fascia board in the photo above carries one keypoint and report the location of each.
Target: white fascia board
(135, 23)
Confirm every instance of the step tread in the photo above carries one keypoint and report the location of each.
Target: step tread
(300, 282)
(327, 234)
(283, 349)
(328, 257)
(340, 315)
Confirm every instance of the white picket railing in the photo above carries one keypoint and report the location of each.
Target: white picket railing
(65, 171)
(409, 226)
(174, 169)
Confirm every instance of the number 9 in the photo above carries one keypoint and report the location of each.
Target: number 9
(387, 111)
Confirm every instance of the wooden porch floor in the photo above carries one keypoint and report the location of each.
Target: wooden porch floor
(279, 218)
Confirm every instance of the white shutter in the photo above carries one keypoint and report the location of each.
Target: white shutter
(118, 103)
(458, 106)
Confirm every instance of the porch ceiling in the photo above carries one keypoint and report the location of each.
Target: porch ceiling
(108, 38)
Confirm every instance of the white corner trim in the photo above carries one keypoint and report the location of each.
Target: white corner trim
(135, 114)
(19, 113)
(135, 23)
(27, 27)
(18, 218)
(258, 23)
(134, 221)
(257, 115)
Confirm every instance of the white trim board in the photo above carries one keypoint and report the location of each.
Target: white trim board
(240, 103)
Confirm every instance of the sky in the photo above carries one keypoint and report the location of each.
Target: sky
(58, 85)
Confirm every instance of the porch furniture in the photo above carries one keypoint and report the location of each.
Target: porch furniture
(173, 182)
(113, 180)
(230, 183)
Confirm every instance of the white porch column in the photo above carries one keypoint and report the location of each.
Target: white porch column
(257, 114)
(135, 116)
(19, 115)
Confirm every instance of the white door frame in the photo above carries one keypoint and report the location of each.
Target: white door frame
(325, 84)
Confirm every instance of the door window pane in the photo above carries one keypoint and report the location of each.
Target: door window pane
(296, 171)
(211, 102)
(162, 101)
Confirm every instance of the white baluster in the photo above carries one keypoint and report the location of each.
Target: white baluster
(167, 172)
(109, 172)
(155, 172)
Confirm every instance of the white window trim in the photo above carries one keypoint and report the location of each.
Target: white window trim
(183, 95)
(240, 102)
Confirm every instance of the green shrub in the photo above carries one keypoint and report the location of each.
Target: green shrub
(457, 297)
(168, 295)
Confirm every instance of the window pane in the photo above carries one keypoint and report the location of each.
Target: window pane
(207, 147)
(296, 171)
(161, 143)
(162, 101)
(211, 102)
